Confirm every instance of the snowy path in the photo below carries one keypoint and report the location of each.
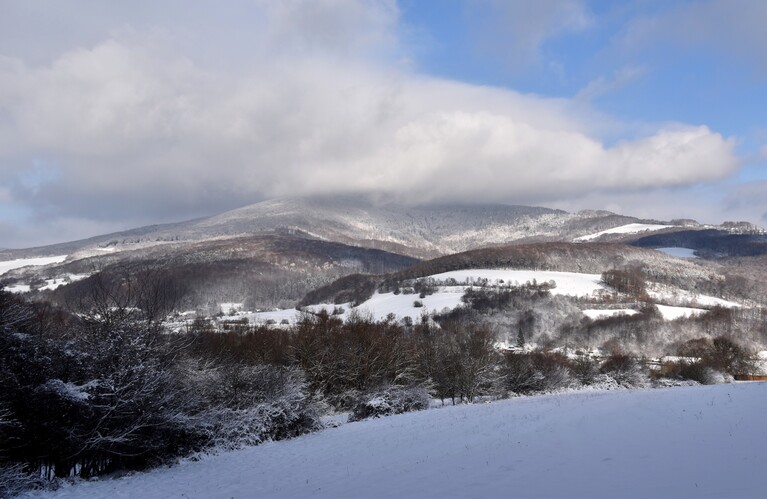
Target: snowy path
(679, 442)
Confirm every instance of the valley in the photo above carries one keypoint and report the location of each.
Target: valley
(224, 333)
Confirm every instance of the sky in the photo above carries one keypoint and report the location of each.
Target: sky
(116, 114)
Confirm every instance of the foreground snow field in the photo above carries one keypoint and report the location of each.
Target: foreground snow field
(680, 442)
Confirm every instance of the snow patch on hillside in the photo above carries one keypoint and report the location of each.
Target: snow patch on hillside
(707, 441)
(50, 284)
(684, 298)
(672, 313)
(594, 314)
(676, 302)
(625, 229)
(9, 265)
(567, 283)
(380, 305)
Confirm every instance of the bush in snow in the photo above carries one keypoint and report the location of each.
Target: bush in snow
(703, 374)
(13, 481)
(525, 373)
(584, 369)
(391, 400)
(625, 370)
(241, 404)
(286, 417)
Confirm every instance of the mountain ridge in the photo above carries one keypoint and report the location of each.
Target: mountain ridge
(423, 231)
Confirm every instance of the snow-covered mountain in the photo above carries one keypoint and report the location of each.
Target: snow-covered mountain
(419, 231)
(313, 236)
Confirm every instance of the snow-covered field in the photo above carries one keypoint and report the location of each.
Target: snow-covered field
(9, 265)
(680, 442)
(625, 229)
(601, 314)
(673, 313)
(567, 283)
(380, 305)
(681, 297)
(50, 284)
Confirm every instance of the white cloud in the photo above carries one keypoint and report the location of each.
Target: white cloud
(143, 127)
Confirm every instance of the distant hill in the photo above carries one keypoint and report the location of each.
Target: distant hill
(418, 231)
(273, 252)
(592, 258)
(709, 242)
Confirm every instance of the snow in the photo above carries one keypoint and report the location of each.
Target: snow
(601, 314)
(625, 229)
(226, 307)
(9, 265)
(50, 284)
(683, 297)
(673, 313)
(289, 314)
(705, 441)
(380, 305)
(68, 390)
(567, 283)
(678, 252)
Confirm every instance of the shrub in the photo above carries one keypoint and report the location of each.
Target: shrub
(249, 404)
(391, 400)
(728, 356)
(13, 481)
(584, 369)
(700, 372)
(536, 372)
(625, 370)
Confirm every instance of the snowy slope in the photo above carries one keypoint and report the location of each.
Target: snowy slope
(421, 231)
(681, 442)
(672, 313)
(380, 305)
(634, 228)
(683, 297)
(601, 314)
(567, 283)
(9, 265)
(50, 284)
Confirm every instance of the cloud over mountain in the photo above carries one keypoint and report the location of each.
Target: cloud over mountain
(163, 119)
